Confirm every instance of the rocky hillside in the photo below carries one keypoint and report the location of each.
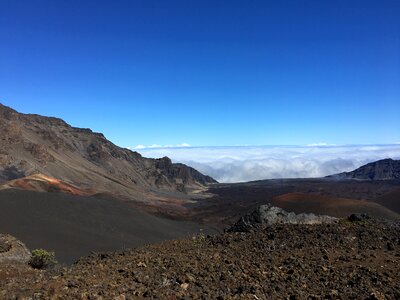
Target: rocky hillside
(350, 259)
(33, 144)
(385, 169)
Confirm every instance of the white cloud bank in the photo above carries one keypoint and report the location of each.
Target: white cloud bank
(238, 164)
(156, 146)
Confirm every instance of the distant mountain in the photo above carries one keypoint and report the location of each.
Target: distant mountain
(385, 169)
(62, 155)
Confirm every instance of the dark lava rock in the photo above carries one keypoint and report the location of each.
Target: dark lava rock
(358, 217)
(267, 215)
(233, 266)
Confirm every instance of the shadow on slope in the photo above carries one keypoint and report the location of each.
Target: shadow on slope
(73, 226)
(390, 200)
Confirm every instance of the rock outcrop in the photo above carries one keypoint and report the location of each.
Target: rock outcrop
(268, 215)
(13, 250)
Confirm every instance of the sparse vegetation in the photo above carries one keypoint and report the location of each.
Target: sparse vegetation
(4, 247)
(282, 261)
(355, 219)
(42, 259)
(198, 241)
(345, 222)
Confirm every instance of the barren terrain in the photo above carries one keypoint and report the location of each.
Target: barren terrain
(73, 226)
(72, 191)
(332, 261)
(338, 198)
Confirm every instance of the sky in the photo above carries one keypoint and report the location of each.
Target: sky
(207, 73)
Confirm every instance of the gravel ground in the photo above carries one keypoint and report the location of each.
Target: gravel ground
(347, 260)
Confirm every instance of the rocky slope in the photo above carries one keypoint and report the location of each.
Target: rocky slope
(385, 169)
(344, 260)
(33, 144)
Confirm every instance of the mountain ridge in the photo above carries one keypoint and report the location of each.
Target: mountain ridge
(384, 169)
(33, 144)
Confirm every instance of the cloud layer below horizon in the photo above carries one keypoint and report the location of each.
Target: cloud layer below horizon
(246, 163)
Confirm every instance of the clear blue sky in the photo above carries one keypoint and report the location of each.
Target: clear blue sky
(207, 72)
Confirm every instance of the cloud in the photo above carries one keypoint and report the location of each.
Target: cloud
(156, 146)
(320, 145)
(184, 145)
(245, 163)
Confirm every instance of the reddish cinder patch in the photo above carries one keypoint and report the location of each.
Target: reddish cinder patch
(44, 183)
(328, 205)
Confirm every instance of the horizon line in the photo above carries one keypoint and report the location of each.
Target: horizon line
(312, 145)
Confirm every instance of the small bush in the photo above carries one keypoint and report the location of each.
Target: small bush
(4, 246)
(42, 259)
(198, 241)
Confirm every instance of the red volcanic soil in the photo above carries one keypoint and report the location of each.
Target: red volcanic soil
(390, 200)
(43, 183)
(337, 198)
(338, 207)
(167, 204)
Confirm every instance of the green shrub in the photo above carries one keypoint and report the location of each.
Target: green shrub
(42, 259)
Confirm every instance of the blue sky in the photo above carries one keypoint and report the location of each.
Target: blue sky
(207, 72)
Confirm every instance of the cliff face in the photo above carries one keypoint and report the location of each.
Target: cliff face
(33, 144)
(385, 169)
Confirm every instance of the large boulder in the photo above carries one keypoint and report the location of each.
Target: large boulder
(267, 215)
(13, 250)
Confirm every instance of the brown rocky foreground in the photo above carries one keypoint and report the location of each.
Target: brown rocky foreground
(344, 260)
